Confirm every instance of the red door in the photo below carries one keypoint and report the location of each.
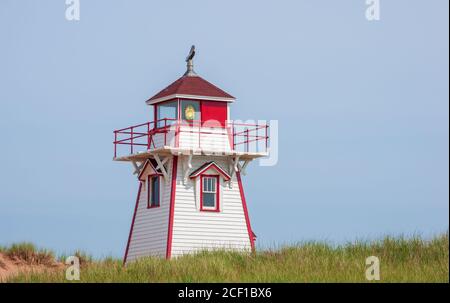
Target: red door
(214, 113)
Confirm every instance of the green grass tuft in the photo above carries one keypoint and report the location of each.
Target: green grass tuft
(401, 260)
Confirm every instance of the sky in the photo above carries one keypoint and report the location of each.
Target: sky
(362, 108)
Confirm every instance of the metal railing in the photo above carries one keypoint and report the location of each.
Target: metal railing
(166, 132)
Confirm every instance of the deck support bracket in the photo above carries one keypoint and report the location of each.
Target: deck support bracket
(137, 167)
(161, 165)
(187, 167)
(243, 167)
(233, 167)
(236, 164)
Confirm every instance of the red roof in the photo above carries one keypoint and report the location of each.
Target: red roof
(192, 85)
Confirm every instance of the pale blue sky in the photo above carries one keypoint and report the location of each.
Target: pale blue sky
(362, 109)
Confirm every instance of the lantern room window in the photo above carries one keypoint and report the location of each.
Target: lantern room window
(167, 110)
(190, 111)
(209, 193)
(153, 191)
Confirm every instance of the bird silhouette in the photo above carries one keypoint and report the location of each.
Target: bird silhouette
(191, 53)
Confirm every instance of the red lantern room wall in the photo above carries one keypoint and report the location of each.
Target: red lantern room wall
(188, 161)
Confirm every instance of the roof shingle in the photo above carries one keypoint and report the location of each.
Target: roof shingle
(192, 85)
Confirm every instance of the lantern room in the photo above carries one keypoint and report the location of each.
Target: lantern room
(191, 115)
(192, 100)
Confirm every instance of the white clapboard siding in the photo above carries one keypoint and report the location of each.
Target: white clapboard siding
(149, 236)
(194, 230)
(189, 138)
(206, 138)
(160, 140)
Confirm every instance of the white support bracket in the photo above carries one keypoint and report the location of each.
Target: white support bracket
(230, 167)
(233, 167)
(236, 164)
(187, 167)
(161, 165)
(137, 167)
(242, 168)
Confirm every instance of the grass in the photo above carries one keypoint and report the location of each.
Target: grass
(83, 258)
(401, 260)
(29, 254)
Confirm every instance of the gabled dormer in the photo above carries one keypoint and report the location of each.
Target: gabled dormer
(151, 179)
(208, 180)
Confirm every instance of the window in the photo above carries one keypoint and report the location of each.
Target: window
(190, 111)
(168, 110)
(153, 191)
(209, 193)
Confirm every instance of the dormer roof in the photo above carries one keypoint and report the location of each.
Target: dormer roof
(149, 169)
(208, 166)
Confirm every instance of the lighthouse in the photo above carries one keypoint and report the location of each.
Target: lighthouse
(189, 159)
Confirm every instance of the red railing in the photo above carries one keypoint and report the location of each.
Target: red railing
(250, 133)
(166, 132)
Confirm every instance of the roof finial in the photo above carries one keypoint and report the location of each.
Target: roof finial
(190, 63)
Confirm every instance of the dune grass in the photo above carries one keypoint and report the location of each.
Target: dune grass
(28, 253)
(401, 260)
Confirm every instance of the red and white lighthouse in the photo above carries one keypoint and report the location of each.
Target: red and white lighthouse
(189, 160)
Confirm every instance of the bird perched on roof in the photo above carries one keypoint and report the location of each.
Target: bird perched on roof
(191, 53)
(190, 64)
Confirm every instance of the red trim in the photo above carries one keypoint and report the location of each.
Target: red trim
(149, 204)
(244, 205)
(132, 224)
(210, 165)
(217, 209)
(172, 207)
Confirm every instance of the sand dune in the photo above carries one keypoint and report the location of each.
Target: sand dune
(10, 267)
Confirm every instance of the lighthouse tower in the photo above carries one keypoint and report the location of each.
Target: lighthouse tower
(189, 160)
